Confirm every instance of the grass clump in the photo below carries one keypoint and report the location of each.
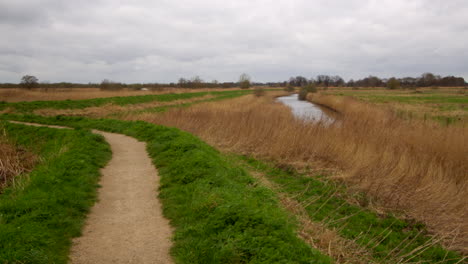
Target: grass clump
(219, 212)
(14, 160)
(45, 209)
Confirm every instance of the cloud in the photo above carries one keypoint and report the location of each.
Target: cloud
(160, 41)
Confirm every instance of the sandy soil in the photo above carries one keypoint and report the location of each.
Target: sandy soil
(126, 225)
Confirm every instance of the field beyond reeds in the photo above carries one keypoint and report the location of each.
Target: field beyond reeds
(412, 167)
(23, 95)
(448, 105)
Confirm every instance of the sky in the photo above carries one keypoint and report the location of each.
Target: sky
(136, 41)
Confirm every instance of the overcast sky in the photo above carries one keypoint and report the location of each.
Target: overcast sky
(163, 40)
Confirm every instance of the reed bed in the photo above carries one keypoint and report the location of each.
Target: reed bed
(414, 167)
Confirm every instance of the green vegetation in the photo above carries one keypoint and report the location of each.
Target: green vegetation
(407, 98)
(28, 107)
(309, 88)
(43, 210)
(393, 84)
(386, 236)
(219, 212)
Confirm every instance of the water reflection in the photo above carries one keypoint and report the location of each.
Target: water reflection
(305, 110)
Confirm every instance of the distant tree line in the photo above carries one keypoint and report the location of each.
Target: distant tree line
(30, 82)
(425, 80)
(325, 81)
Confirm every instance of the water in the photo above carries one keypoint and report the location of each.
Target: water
(305, 110)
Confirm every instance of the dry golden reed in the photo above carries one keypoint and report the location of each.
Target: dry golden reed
(13, 161)
(416, 167)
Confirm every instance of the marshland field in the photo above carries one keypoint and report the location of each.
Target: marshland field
(241, 178)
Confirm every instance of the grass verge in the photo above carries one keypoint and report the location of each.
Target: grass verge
(389, 239)
(44, 210)
(219, 212)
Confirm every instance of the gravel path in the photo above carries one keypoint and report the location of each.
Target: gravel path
(126, 225)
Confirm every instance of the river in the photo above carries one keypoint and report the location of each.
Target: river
(305, 110)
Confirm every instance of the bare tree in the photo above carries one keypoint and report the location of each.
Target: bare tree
(29, 82)
(108, 85)
(197, 82)
(244, 81)
(427, 79)
(182, 83)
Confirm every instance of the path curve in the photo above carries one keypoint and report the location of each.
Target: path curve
(126, 225)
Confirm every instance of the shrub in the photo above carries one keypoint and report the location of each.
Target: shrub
(107, 85)
(393, 84)
(303, 94)
(244, 81)
(259, 91)
(310, 88)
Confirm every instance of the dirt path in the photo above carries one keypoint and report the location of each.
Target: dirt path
(126, 225)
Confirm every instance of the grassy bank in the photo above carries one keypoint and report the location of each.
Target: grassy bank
(415, 167)
(44, 209)
(389, 239)
(219, 212)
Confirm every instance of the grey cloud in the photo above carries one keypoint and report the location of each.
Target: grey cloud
(143, 40)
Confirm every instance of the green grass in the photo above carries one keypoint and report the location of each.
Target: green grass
(46, 208)
(445, 106)
(432, 99)
(441, 101)
(219, 212)
(384, 235)
(28, 107)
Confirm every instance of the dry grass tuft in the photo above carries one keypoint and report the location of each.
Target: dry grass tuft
(416, 167)
(316, 234)
(13, 161)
